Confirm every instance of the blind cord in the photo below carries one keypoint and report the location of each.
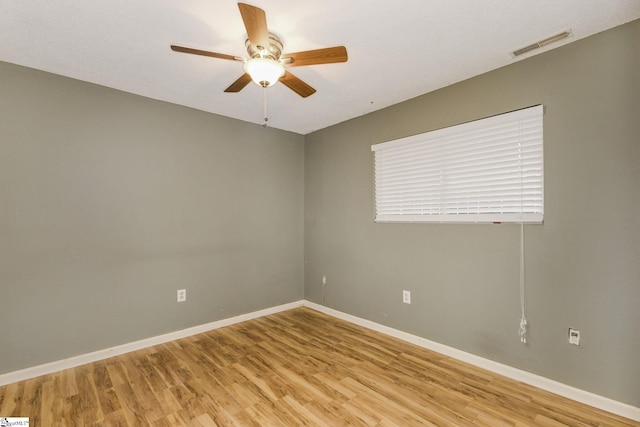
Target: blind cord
(523, 319)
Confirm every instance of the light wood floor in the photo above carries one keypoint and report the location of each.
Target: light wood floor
(298, 367)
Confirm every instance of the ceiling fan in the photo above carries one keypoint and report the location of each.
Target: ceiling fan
(266, 63)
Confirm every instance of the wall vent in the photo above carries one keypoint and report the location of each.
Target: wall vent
(541, 43)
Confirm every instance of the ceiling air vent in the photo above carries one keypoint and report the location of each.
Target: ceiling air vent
(541, 43)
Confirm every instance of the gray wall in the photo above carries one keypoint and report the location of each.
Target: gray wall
(110, 202)
(582, 265)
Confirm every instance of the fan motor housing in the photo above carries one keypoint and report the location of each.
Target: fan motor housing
(273, 51)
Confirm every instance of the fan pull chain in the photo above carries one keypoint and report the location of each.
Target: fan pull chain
(266, 118)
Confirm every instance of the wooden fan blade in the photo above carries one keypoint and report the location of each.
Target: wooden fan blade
(255, 21)
(297, 85)
(204, 53)
(239, 84)
(328, 55)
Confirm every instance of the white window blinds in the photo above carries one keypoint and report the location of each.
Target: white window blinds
(488, 170)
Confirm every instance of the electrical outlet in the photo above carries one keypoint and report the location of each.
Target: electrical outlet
(324, 280)
(182, 295)
(574, 336)
(406, 297)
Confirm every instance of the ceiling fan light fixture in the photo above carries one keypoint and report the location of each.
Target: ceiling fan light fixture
(264, 72)
(267, 65)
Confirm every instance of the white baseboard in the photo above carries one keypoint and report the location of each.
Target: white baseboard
(95, 356)
(588, 398)
(543, 383)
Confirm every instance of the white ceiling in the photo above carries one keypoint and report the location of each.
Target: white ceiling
(397, 49)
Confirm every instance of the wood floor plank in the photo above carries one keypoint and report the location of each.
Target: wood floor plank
(9, 395)
(298, 367)
(47, 408)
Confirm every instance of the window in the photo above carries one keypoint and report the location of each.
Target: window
(488, 170)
